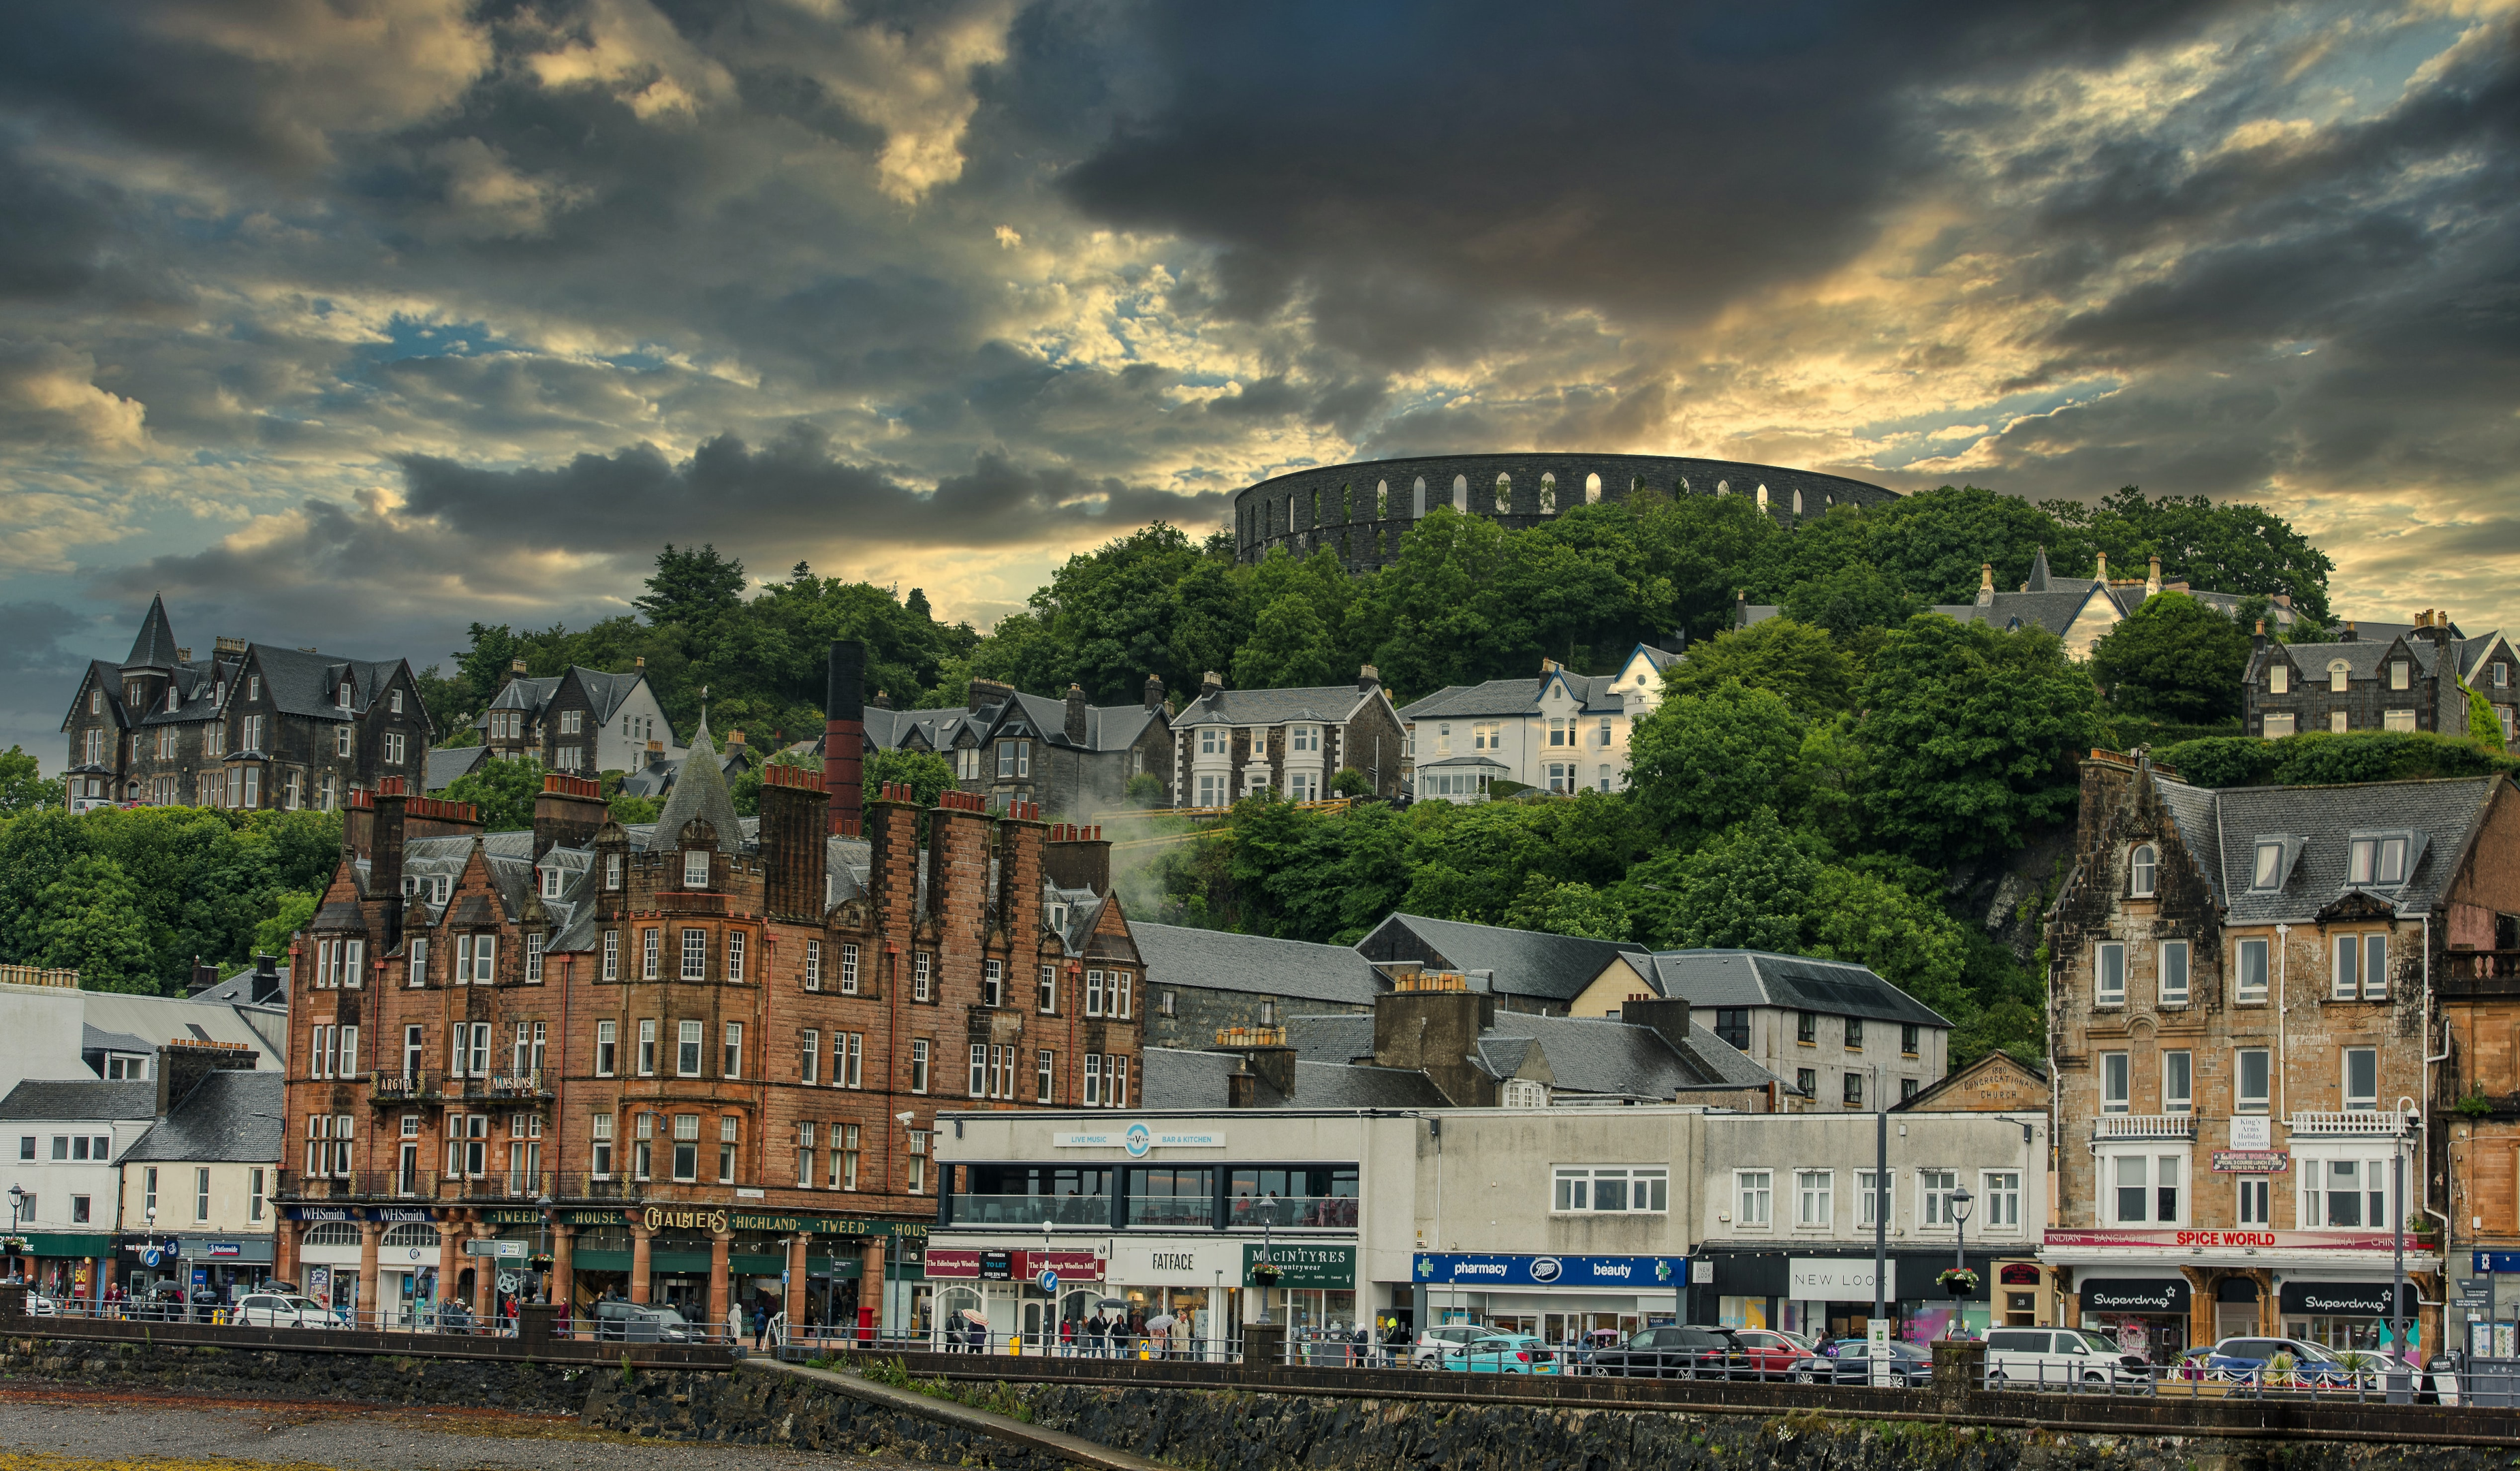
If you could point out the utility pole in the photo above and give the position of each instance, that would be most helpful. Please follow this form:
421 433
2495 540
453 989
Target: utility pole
1881 1217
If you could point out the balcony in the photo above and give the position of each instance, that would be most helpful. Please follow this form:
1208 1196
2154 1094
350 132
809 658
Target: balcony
2479 974
2352 1124
395 1088
1033 1210
2144 1126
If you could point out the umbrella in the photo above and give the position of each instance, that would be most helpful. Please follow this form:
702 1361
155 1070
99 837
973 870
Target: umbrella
976 1315
1159 1323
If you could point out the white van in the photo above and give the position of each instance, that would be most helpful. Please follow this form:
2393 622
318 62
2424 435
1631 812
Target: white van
2059 1358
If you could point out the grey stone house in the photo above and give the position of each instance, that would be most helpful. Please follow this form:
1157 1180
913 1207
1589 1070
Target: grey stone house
1203 981
253 726
2404 681
1071 757
1526 970
584 720
1233 744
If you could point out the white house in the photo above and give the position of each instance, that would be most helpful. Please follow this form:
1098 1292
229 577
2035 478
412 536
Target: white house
1562 733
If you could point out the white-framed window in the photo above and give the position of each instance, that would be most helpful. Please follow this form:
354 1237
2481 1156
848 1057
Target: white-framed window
1934 1189
643 1145
2360 1074
2276 724
813 965
1303 786
2343 1190
2177 1082
849 1059
2361 968
1815 1197
1601 733
551 879
2376 861
1048 999
1516 1092
696 867
732 1049
848 969
1868 1197
2140 869
809 1048
1754 1193
608 1047
1304 740
918 1065
395 747
612 871
477 959
1487 736
735 957
805 1156
2108 974
2251 1078
2249 971
687 1147
650 944
2172 973
1595 1189
2339 674
1560 776
533 959
980 1080
687 1049
648 1048
1998 1196
923 976
2114 1084
611 954
2339 721
695 955
1211 791
1045 1076
1211 740
993 983
2278 677
2399 673
2257 1200
2396 720
914 1162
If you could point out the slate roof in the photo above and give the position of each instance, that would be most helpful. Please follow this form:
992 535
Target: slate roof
95 1039
228 1116
924 730
1731 978
1331 704
700 792
238 989
156 645
2363 657
1175 1078
1216 960
605 694
75 1100
1517 697
1599 1056
1524 962
160 1019
2443 815
2054 610
446 763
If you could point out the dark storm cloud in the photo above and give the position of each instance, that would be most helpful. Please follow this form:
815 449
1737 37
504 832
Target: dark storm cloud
1415 162
789 490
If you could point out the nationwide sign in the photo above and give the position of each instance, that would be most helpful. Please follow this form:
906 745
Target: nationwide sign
2282 1241
1498 1270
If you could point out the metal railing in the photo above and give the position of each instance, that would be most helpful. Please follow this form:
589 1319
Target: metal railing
2144 1126
1032 1210
278 1306
2361 1378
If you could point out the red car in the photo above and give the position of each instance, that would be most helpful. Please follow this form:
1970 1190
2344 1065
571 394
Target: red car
1772 1354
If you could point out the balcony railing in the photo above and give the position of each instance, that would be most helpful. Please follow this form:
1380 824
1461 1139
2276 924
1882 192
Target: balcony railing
2480 972
2146 1126
1033 1210
2358 1124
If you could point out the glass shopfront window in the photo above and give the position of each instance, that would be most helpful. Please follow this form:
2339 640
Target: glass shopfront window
1032 1194
1292 1195
1172 1196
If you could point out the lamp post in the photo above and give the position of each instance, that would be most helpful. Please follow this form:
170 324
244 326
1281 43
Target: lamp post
1960 1202
16 1208
891 1241
1267 1209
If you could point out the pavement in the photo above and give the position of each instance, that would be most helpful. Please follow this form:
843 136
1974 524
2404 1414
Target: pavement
78 1431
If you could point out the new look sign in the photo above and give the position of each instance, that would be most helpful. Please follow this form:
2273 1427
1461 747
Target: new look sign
1500 1269
1829 1279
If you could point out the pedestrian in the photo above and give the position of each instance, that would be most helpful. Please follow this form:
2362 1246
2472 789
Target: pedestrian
735 1325
1068 1338
760 1323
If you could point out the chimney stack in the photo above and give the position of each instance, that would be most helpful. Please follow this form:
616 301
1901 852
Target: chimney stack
517 666
1367 679
1667 1015
1074 725
203 977
1740 607
568 812
2350 636
2152 577
2103 575
1078 857
1210 683
845 736
267 981
1154 691
2258 640
1985 584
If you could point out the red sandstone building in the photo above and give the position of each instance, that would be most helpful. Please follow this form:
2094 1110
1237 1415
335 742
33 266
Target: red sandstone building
687 1061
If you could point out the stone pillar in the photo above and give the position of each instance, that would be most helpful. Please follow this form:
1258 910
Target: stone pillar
283 1250
372 1234
872 1287
96 1267
720 1244
485 1277
2203 1285
797 1245
564 1272
638 1238
2270 1313
450 1256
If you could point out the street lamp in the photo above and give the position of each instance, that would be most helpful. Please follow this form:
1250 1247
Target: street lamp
1962 1199
1267 1209
16 1207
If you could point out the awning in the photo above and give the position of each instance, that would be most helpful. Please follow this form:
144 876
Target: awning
68 1244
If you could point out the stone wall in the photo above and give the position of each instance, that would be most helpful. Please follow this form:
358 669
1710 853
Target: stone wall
263 1373
1202 1429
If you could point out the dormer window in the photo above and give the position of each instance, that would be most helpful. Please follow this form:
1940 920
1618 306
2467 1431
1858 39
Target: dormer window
254 687
2269 867
552 877
175 699
1056 915
2140 870
696 867
439 888
2378 860
2338 671
343 698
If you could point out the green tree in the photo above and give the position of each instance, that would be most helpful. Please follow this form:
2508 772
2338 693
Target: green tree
1700 763
1906 940
1933 543
1290 649
1798 662
296 912
1747 888
2227 548
1850 600
694 587
88 919
22 786
1568 908
927 773
2174 658
504 791
1971 737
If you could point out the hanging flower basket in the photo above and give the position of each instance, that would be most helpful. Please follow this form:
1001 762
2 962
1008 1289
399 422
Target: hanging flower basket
1958 1281
1263 1274
13 1245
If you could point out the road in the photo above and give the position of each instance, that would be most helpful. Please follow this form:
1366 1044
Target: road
78 1431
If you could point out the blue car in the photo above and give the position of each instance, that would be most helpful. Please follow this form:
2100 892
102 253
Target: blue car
1503 1354
1849 1362
2251 1361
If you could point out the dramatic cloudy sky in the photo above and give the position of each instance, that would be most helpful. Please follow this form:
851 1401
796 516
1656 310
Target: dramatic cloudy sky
349 322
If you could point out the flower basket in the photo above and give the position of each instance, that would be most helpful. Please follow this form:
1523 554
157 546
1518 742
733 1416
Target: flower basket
1263 1274
13 1245
1958 1281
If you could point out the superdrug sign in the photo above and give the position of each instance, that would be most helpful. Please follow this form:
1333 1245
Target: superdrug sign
2135 1295
2341 1299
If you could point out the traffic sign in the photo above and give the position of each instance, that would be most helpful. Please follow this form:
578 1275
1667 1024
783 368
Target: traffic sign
1049 1280
495 1248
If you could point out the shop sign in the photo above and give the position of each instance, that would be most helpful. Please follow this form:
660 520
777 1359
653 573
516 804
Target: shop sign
513 1218
1174 1264
2342 1299
2252 1162
666 1218
2134 1295
823 1226
613 1217
953 1261
1073 1265
2018 1273
997 1267
2497 1260
225 1249
1497 1269
1302 1264
394 1214
1139 1139
1829 1279
2283 1241
2254 1132
326 1213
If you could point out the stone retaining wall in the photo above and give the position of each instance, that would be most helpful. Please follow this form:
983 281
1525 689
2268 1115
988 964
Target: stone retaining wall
265 1373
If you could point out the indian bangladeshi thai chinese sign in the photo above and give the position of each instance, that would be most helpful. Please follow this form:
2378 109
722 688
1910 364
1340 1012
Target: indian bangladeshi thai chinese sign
1303 1263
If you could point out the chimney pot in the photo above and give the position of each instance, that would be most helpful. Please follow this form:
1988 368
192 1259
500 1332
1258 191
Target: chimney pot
1210 683
516 666
1368 678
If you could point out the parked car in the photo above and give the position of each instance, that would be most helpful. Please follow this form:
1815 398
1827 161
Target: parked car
275 1309
1773 1352
2252 1360
1502 1353
41 1306
1906 1364
1681 1353
640 1323
2064 1357
1434 1343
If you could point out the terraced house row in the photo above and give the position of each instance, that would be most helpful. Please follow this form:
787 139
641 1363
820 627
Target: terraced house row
683 1059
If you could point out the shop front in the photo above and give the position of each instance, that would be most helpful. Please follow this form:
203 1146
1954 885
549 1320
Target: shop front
1556 1298
1021 1296
1829 1297
2146 1315
2339 1313
65 1264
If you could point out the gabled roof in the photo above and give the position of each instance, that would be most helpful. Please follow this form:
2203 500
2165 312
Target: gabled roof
229 1116
300 683
1331 704
107 678
605 692
699 791
1177 1078
1600 1056
78 1102
2443 814
156 645
1216 960
1739 978
96 1038
1925 1099
2472 655
1524 962
921 729
1517 697
1108 728
446 763
2054 610
2362 658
